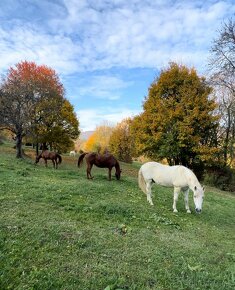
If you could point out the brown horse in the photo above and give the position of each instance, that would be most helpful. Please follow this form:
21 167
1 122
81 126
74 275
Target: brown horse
103 161
53 156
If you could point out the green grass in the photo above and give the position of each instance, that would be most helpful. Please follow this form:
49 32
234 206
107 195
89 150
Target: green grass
59 230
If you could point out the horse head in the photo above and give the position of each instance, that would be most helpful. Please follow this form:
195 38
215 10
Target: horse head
118 174
198 195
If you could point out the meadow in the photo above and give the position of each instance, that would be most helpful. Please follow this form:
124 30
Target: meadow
59 230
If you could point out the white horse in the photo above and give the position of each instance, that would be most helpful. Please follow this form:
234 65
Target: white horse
72 153
179 177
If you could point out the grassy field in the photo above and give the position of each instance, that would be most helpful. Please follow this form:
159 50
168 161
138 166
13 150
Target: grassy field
59 230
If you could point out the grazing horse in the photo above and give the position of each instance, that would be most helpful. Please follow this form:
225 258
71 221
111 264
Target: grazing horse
53 156
72 153
179 177
104 161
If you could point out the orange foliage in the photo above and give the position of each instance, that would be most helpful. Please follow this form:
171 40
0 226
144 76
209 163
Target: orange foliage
36 75
99 140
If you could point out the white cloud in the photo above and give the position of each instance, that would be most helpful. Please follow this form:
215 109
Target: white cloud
94 35
90 118
102 87
29 43
145 34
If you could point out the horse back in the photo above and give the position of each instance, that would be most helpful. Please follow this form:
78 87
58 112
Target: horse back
165 175
102 161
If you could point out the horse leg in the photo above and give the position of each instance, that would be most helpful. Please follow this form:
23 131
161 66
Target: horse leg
176 195
53 161
88 172
56 163
148 191
186 192
110 169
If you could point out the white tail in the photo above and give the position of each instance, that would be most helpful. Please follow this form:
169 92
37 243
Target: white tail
141 181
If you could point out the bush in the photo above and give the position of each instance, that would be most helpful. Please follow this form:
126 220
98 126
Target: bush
222 177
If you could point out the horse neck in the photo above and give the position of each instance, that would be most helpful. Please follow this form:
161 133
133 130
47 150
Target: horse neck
117 166
193 181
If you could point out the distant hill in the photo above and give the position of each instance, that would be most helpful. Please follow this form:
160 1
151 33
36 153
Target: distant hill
85 135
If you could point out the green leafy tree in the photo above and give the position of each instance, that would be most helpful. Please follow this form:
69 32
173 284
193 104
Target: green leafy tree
59 128
121 143
178 122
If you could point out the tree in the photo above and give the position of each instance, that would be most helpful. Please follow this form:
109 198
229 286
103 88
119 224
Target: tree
91 144
99 140
226 134
16 106
31 102
121 142
59 128
222 68
178 122
223 50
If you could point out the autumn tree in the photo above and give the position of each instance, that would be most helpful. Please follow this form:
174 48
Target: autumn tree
91 144
121 142
32 103
99 140
17 102
222 69
178 122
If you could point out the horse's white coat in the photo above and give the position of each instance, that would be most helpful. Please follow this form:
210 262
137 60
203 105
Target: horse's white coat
72 153
179 177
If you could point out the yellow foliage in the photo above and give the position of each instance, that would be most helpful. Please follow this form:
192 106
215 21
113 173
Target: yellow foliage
99 140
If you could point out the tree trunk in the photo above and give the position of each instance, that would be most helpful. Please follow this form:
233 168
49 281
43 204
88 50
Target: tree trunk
37 149
19 145
226 139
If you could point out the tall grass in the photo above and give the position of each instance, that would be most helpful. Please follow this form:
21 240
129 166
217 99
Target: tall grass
59 230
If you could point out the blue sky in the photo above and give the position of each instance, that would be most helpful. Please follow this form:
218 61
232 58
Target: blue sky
107 53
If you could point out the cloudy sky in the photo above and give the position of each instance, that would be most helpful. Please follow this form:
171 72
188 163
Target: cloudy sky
107 52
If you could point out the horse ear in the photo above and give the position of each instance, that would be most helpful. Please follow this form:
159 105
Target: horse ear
195 188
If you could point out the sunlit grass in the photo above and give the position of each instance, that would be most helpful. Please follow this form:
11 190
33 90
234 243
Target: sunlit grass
59 230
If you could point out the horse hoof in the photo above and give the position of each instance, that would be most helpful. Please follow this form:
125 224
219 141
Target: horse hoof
175 210
188 211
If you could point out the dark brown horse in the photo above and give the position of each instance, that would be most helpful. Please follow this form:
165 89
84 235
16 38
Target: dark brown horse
103 161
53 156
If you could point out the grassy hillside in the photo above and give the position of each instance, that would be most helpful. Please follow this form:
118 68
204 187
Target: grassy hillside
59 230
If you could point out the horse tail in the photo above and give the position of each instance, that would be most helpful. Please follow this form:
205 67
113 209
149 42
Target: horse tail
141 181
80 159
59 157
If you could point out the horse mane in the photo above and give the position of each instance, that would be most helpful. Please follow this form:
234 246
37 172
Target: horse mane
80 159
191 177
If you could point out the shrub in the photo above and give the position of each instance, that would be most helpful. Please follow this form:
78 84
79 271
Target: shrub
222 177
